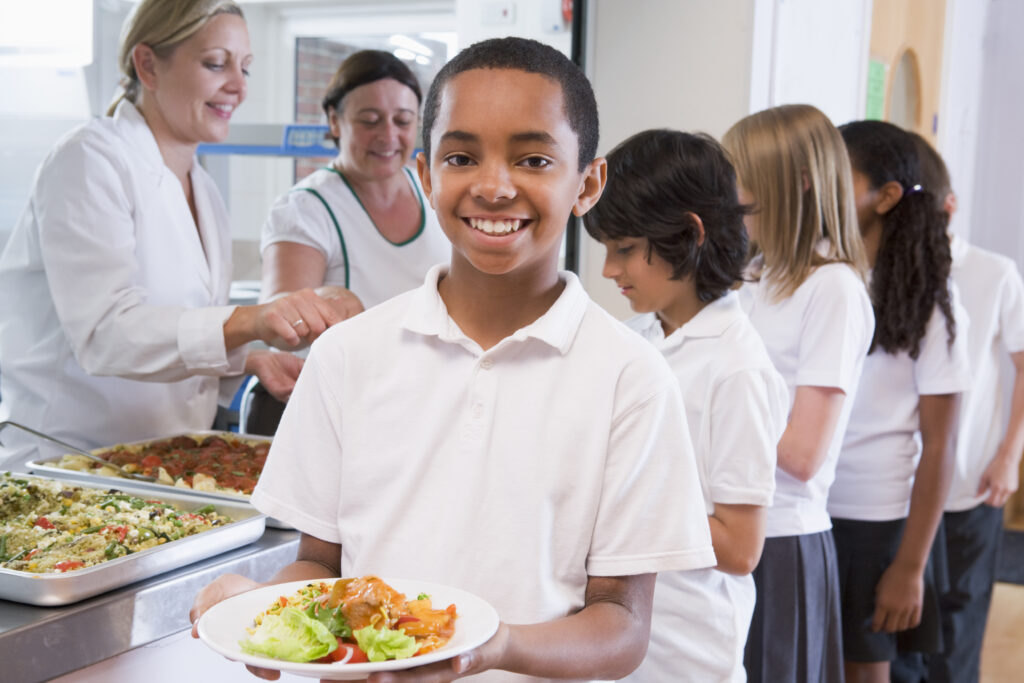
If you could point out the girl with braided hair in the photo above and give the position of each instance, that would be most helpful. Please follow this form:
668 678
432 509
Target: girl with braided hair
895 465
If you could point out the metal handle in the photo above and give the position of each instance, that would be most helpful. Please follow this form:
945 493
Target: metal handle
76 449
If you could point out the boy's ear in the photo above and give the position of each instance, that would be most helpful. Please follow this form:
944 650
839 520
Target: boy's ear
144 61
423 170
591 186
697 224
889 195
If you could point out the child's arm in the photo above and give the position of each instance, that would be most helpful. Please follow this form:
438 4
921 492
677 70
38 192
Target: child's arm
737 534
900 592
605 640
812 424
1000 478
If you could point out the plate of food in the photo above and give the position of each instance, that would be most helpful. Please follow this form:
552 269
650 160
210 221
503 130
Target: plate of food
346 629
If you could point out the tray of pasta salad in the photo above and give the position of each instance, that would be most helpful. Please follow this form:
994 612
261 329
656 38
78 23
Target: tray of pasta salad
61 541
347 628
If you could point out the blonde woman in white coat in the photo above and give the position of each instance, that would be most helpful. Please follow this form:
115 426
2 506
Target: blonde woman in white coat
114 283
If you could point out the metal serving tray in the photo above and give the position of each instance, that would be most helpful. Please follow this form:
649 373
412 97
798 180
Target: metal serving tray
51 469
48 590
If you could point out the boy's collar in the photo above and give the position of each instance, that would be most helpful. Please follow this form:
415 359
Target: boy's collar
711 321
428 315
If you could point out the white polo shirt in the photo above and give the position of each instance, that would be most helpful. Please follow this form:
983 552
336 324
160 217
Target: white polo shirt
322 211
818 336
736 406
992 292
882 447
514 473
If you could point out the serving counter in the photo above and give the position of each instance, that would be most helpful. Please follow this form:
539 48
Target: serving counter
40 643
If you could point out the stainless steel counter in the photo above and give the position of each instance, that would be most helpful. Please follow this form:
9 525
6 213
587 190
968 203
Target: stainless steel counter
39 643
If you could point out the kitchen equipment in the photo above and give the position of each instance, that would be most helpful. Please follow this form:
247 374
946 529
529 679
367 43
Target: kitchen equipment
77 451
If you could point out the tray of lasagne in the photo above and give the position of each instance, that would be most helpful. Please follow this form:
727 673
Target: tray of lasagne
61 541
207 464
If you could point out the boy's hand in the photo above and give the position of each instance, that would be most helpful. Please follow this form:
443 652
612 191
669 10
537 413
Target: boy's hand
222 588
898 599
1000 479
487 656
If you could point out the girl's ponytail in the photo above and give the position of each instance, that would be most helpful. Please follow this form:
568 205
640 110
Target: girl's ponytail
911 274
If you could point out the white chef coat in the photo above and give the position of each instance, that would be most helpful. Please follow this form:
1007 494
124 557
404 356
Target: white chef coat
111 302
514 473
992 292
736 406
322 211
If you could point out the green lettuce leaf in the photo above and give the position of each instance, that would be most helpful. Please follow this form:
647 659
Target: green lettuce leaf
385 643
333 619
292 636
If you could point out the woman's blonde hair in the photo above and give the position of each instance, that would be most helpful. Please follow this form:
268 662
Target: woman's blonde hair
777 153
162 25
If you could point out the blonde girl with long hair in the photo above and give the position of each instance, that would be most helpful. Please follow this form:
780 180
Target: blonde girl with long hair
807 299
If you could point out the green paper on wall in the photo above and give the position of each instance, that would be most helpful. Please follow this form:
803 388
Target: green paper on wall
875 108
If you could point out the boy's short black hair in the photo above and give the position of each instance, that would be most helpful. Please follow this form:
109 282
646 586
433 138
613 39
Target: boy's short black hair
654 179
530 56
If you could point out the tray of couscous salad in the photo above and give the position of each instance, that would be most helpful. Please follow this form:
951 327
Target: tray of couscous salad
61 541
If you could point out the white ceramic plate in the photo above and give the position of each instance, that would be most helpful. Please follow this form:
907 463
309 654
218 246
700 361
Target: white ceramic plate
225 624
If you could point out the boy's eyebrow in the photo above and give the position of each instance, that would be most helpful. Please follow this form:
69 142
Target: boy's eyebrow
535 136
527 136
458 136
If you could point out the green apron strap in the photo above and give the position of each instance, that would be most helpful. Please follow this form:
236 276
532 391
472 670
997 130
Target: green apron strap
337 228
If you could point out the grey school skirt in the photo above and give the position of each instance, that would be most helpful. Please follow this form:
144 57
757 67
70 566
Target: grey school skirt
796 631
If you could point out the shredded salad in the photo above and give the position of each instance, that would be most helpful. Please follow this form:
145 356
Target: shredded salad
349 620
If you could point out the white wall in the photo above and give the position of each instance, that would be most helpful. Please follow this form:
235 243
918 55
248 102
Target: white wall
819 55
702 65
997 208
960 105
538 19
662 63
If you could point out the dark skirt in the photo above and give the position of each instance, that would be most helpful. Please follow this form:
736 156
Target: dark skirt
865 551
795 630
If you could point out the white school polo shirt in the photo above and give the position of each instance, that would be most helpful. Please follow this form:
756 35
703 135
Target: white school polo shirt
514 473
818 336
736 406
323 212
992 292
882 447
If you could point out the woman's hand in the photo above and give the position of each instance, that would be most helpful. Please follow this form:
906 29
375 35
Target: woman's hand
485 657
289 322
899 598
343 300
295 319
277 372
